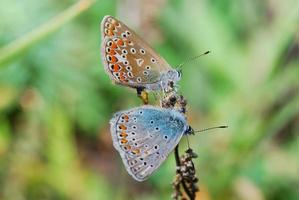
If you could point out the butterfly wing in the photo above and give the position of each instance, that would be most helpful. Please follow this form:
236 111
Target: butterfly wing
144 136
128 59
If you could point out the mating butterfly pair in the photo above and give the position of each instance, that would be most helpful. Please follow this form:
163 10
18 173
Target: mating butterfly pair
144 136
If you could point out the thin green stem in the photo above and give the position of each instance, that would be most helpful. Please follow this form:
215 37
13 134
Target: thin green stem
20 45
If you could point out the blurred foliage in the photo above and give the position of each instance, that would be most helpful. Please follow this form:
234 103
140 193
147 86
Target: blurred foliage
56 100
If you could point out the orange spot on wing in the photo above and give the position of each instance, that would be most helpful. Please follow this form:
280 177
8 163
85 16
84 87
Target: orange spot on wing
123 140
122 127
112 52
136 151
123 134
120 42
110 32
126 118
114 45
122 78
116 68
112 27
113 59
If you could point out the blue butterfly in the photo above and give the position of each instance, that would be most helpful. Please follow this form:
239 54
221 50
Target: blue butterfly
144 136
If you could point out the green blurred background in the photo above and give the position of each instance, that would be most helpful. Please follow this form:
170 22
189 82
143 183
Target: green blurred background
56 100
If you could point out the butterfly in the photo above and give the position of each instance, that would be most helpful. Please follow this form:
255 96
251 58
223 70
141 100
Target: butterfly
144 136
131 62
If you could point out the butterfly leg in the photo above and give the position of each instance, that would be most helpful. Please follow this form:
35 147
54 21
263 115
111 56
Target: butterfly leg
163 91
143 95
155 96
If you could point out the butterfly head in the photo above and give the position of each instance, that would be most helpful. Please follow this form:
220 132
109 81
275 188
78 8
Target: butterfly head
169 79
189 131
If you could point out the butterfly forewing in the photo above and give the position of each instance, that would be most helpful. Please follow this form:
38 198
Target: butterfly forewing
144 137
128 59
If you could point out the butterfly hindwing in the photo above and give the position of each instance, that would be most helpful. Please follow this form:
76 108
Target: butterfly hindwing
144 136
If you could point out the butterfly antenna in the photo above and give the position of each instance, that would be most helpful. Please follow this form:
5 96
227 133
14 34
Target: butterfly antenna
191 59
211 128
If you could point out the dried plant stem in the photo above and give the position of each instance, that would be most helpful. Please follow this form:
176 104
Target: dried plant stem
183 183
185 171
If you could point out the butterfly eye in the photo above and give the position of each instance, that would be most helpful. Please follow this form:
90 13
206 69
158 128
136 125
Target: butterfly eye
189 130
145 72
152 121
126 62
153 60
134 127
171 84
165 137
179 73
148 67
142 51
157 128
124 51
124 35
129 68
